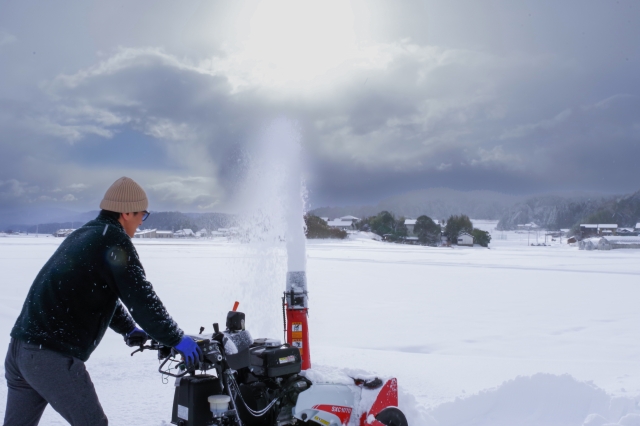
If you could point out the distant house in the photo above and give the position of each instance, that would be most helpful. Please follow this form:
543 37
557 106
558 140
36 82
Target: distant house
340 224
146 233
351 219
638 227
164 234
465 239
203 233
63 232
626 231
590 229
344 222
410 223
607 228
184 233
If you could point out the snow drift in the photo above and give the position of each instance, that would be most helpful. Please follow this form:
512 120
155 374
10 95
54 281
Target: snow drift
539 400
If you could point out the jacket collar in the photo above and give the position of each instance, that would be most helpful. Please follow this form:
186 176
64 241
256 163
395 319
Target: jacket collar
109 220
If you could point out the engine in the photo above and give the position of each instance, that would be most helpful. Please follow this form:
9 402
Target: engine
261 375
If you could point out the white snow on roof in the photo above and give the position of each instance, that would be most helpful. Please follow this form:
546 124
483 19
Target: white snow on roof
145 231
410 221
588 225
637 225
349 218
607 226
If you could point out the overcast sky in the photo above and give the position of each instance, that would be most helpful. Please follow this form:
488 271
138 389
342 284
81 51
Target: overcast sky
517 97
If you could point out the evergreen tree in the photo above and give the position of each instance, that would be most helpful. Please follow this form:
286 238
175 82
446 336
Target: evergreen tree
427 231
481 237
385 223
318 228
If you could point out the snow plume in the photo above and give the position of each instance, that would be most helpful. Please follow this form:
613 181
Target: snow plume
270 198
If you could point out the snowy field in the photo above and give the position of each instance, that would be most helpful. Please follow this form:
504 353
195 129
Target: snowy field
513 335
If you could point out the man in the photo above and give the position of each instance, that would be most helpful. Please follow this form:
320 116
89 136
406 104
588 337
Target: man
78 293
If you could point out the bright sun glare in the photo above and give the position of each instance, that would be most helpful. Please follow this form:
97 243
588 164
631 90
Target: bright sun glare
293 41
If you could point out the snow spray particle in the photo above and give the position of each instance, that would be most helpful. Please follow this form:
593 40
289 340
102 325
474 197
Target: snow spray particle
271 202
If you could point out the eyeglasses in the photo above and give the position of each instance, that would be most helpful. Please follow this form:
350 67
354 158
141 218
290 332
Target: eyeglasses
146 215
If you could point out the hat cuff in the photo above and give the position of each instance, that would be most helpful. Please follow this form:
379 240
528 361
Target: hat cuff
124 206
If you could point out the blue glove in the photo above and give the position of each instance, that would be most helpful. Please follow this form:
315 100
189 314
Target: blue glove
136 337
190 351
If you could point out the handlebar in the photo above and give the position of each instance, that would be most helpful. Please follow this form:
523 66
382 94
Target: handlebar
212 357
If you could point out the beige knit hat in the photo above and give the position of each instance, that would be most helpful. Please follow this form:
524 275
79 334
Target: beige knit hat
125 196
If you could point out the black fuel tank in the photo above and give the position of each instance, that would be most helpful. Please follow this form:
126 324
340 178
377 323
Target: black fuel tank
190 404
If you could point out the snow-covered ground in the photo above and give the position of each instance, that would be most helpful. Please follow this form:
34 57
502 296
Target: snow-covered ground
511 335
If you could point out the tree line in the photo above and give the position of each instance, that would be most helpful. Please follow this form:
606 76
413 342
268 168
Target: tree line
392 228
425 229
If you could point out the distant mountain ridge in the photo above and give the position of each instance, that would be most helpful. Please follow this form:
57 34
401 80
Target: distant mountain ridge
551 212
195 221
169 221
554 212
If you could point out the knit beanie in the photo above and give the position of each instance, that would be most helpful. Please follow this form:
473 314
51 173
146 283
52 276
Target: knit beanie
125 196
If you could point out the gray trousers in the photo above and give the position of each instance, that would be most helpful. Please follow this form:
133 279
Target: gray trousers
37 377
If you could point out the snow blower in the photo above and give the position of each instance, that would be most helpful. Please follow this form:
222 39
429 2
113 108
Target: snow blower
262 382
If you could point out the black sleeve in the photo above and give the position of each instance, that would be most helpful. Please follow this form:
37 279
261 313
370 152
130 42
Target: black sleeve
121 322
138 295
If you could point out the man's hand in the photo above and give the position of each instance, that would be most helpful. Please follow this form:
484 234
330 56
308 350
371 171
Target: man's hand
136 337
190 351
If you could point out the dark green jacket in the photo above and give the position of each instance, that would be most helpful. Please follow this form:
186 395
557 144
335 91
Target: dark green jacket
79 292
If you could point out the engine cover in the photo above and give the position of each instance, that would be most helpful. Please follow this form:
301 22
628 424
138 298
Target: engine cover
275 361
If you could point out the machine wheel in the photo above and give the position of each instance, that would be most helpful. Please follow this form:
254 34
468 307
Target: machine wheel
391 416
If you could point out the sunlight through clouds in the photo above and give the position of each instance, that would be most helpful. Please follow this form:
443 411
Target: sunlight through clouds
294 41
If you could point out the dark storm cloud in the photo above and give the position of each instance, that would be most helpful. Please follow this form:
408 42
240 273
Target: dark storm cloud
516 98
